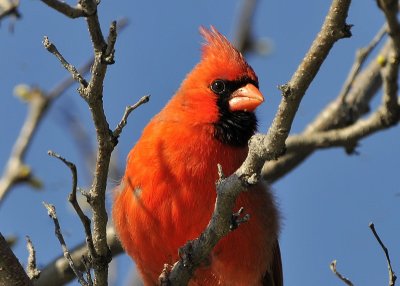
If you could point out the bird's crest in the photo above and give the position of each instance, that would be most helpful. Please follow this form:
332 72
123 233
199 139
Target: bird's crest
221 53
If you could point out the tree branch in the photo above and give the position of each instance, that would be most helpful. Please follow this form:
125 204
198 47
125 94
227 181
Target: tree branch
336 115
340 276
11 271
16 171
52 49
392 276
93 94
51 210
128 110
72 199
58 271
64 8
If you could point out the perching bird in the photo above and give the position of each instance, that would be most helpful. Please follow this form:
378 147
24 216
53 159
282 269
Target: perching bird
167 194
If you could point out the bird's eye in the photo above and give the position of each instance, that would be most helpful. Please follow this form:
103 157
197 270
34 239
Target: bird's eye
218 86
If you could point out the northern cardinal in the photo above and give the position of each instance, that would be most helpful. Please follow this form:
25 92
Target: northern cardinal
167 194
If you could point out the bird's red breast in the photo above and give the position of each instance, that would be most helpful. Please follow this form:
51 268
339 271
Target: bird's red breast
168 191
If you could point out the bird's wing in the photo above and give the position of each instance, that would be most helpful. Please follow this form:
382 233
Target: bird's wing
274 276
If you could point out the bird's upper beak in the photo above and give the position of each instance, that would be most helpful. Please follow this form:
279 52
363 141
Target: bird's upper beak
246 98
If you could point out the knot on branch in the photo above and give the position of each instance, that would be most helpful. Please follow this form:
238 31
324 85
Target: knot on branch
89 7
351 148
286 90
346 31
100 262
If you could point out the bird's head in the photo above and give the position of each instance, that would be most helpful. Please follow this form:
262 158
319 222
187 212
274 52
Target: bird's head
222 90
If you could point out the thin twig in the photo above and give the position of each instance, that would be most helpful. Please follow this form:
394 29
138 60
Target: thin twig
58 272
361 56
31 268
87 270
392 276
72 199
144 99
112 38
340 276
51 211
75 74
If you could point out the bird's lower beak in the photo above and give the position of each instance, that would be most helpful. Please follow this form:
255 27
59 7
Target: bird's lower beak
246 98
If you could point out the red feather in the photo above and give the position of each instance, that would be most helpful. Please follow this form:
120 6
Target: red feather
168 192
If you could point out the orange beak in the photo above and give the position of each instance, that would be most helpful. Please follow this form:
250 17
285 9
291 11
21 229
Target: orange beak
246 98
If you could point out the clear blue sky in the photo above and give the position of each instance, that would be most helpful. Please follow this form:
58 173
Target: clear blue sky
326 203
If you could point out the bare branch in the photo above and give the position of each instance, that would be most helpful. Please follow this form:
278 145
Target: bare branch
31 268
72 199
11 271
128 110
112 38
361 56
346 137
340 276
58 271
335 115
264 147
52 49
64 8
16 171
390 8
392 276
51 211
93 94
90 7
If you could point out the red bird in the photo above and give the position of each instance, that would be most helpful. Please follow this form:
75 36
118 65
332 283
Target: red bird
167 194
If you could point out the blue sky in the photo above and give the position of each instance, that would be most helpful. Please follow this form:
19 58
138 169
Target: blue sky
326 203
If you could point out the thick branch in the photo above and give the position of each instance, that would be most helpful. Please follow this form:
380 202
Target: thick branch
11 271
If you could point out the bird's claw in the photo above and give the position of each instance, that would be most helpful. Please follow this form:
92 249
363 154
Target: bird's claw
237 219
